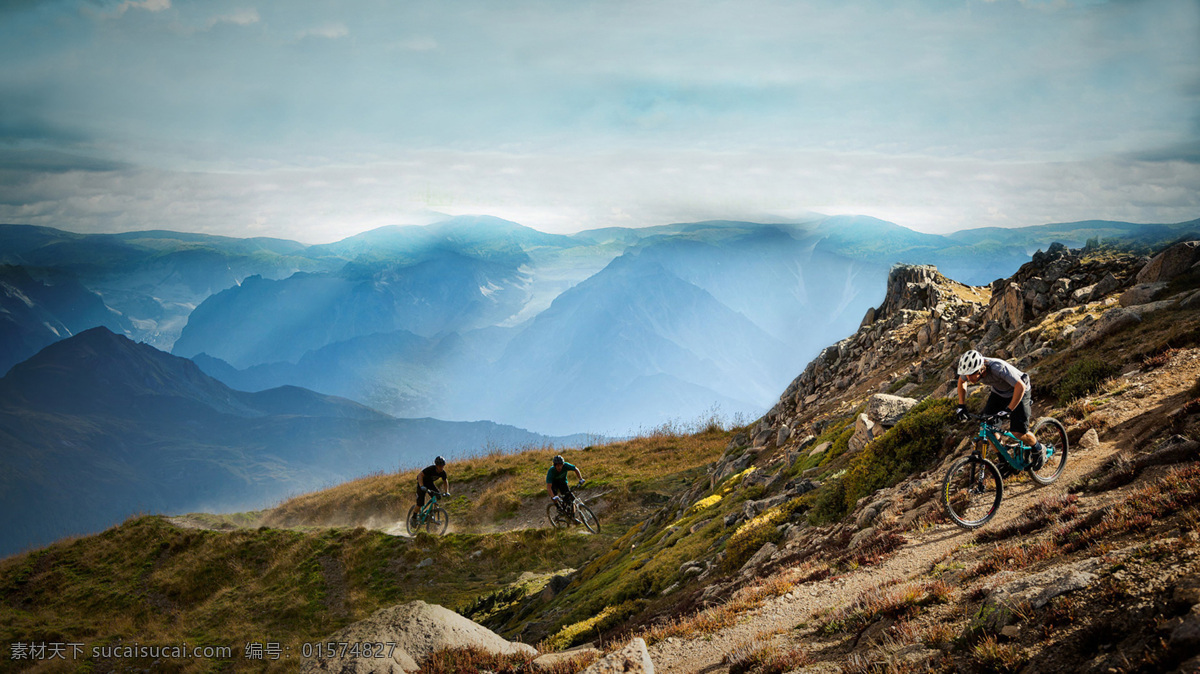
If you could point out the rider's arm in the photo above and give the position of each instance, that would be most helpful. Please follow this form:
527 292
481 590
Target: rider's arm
578 474
446 484
1018 394
550 490
962 392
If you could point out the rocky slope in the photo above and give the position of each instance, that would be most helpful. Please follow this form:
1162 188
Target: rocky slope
818 538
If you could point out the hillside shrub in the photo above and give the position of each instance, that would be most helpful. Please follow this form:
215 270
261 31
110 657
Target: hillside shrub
751 536
1082 378
589 629
828 502
911 445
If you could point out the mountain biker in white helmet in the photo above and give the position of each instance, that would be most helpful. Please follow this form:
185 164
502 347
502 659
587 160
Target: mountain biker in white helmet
1009 399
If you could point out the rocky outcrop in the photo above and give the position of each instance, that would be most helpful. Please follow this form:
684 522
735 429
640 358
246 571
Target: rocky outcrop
1003 603
633 659
418 629
1170 263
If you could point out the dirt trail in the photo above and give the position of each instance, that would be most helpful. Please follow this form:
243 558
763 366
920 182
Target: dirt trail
1139 398
916 558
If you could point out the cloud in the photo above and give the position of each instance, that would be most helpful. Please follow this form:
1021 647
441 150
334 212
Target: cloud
241 17
331 31
148 5
570 192
416 44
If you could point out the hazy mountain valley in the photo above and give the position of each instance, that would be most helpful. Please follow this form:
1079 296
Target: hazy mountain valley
813 538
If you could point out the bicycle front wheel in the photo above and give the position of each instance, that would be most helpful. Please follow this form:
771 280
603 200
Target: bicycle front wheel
588 518
556 517
1054 437
438 521
411 523
972 491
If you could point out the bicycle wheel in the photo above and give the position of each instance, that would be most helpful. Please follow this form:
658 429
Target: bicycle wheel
1051 434
438 521
411 523
972 491
557 520
588 518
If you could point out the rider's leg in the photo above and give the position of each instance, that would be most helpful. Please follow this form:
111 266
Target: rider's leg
1019 424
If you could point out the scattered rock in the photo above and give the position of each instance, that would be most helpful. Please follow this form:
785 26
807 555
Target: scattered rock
633 659
1142 293
820 449
864 432
764 553
1109 322
1000 606
1090 440
886 410
428 561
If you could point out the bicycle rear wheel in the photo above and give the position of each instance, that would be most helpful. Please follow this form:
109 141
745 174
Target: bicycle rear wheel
588 518
972 491
411 523
438 521
1054 437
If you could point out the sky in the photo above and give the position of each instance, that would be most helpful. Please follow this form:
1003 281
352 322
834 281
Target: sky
318 120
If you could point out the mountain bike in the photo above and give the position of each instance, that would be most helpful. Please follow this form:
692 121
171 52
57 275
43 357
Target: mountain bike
571 510
433 517
974 486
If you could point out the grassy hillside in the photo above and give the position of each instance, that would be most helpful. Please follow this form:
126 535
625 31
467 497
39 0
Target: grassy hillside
311 566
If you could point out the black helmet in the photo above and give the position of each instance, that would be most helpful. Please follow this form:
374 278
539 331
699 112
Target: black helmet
439 462
558 459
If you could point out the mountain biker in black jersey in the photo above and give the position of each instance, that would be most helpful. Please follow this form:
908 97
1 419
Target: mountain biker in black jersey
427 479
556 482
1010 397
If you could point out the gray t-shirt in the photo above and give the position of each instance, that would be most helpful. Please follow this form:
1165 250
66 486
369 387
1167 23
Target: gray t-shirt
1002 377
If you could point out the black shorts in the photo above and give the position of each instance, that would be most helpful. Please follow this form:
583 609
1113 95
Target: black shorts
560 487
1018 420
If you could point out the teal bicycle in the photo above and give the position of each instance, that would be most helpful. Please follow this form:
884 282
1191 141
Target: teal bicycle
433 518
974 486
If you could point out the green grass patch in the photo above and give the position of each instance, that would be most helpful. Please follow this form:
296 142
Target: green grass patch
1082 378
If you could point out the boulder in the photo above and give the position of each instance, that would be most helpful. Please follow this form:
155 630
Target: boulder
633 659
764 553
1105 286
886 409
1142 293
1000 607
1170 263
820 449
861 536
764 437
864 432
1090 440
1109 322
782 437
418 629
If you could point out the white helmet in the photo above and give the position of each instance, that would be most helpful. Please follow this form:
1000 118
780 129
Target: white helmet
970 363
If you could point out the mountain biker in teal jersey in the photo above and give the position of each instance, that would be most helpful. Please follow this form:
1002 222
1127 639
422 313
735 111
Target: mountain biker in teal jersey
427 481
556 481
1010 397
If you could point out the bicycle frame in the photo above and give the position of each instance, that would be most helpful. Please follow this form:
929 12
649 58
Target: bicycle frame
423 514
987 433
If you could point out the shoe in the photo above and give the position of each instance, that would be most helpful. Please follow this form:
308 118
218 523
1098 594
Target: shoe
1039 457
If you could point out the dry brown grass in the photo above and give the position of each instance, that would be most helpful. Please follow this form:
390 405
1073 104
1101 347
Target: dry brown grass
499 483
